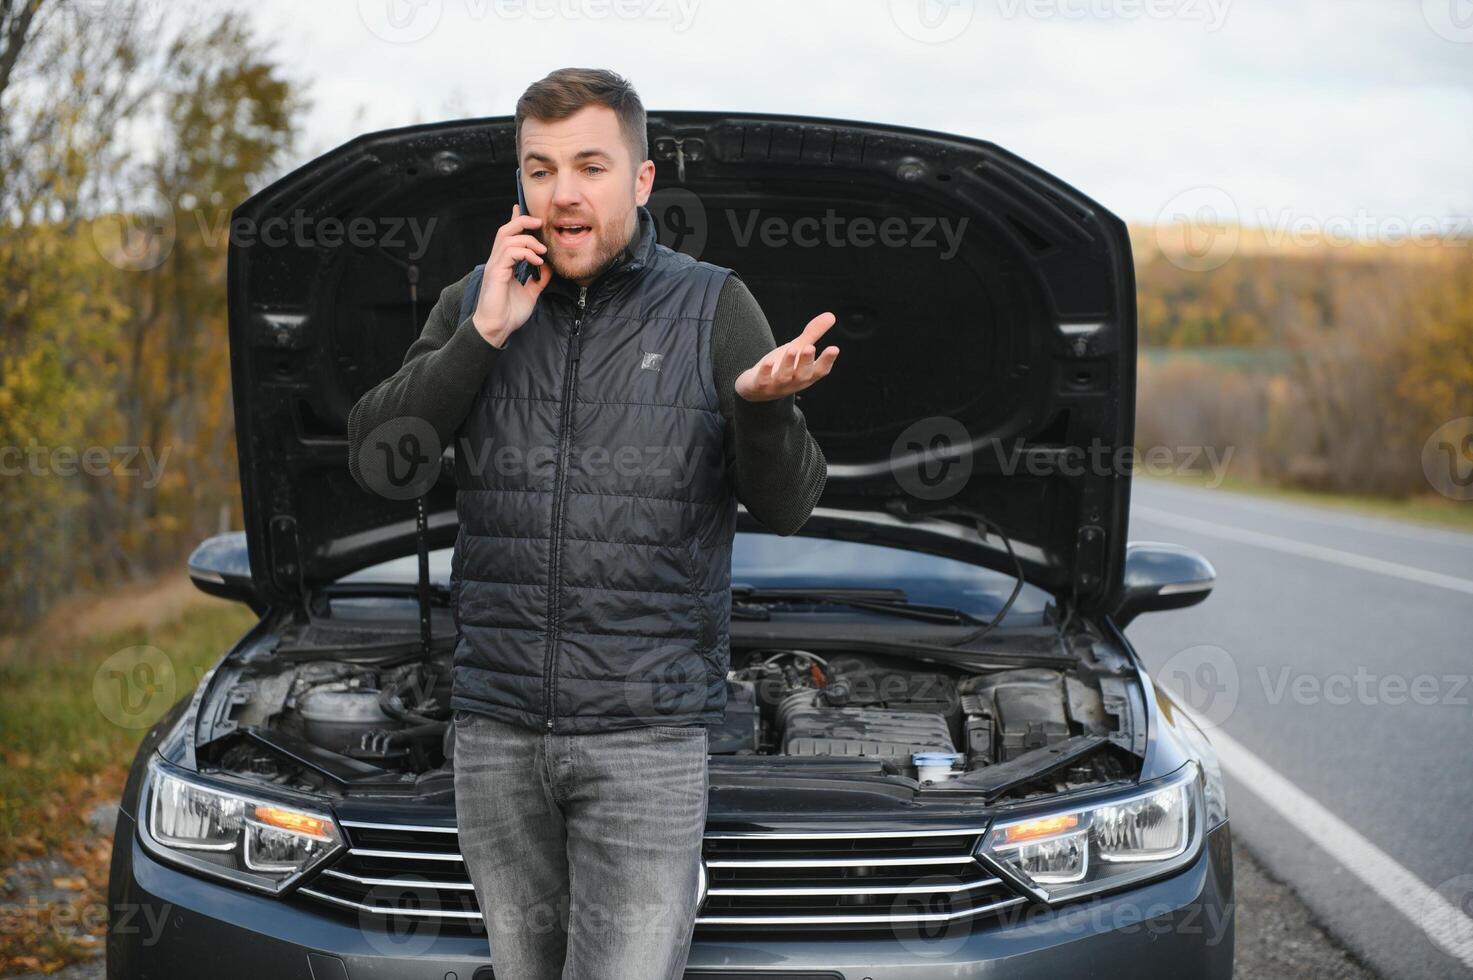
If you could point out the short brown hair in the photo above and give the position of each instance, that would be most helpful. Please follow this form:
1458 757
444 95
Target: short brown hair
565 91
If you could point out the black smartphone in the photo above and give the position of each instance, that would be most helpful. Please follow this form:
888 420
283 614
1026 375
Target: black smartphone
523 268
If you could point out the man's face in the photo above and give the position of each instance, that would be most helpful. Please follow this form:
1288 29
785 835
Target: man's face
580 178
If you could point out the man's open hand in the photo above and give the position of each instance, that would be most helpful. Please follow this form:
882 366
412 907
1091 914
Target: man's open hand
790 367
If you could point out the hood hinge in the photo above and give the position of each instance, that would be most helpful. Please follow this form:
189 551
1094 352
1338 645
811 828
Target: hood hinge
286 560
1089 559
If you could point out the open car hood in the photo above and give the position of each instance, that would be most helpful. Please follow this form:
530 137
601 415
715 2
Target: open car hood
986 317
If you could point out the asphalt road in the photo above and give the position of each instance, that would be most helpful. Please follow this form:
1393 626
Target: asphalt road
1335 652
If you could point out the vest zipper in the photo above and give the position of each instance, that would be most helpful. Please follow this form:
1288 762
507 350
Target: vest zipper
554 604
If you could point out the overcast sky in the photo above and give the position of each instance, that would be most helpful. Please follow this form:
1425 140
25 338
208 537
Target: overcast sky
1321 110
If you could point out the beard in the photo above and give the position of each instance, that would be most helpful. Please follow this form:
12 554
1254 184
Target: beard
591 260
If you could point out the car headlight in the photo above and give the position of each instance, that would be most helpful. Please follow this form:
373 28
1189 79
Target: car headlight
1067 854
251 840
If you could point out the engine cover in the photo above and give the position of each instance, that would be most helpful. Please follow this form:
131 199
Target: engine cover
809 726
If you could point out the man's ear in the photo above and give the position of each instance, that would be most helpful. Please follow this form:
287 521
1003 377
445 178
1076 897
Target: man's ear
644 182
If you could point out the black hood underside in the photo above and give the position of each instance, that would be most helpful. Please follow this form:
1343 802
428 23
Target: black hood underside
986 318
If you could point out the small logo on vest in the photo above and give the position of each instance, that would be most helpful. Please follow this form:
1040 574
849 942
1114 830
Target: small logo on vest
650 361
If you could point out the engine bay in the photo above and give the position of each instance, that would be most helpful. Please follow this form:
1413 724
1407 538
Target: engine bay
354 717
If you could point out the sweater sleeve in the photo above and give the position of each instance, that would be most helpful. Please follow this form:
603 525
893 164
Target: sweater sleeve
777 468
442 371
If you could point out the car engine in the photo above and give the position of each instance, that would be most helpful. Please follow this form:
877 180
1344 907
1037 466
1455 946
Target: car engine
313 721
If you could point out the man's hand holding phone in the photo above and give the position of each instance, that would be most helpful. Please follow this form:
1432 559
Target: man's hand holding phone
505 304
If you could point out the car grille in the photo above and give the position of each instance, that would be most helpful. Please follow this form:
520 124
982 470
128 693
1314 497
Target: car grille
815 880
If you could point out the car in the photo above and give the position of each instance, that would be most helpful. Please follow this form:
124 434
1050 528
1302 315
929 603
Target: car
940 754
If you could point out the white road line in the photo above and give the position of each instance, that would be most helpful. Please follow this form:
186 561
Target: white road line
1440 920
1290 511
1304 549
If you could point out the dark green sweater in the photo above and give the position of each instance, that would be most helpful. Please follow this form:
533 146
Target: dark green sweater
777 469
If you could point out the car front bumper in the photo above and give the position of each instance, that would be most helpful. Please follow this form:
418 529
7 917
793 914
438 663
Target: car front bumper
167 923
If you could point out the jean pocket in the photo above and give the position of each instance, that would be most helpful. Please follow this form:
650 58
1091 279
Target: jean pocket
461 716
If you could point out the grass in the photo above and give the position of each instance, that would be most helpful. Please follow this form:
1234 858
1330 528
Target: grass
72 713
1431 509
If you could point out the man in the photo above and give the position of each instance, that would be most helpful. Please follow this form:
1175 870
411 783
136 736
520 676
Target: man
606 417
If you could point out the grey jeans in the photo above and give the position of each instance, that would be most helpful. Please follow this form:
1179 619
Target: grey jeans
584 850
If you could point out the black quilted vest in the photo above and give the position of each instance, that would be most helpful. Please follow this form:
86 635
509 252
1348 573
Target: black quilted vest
591 577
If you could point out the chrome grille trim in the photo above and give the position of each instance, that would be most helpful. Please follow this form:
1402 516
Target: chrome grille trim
824 920
855 862
404 855
859 879
399 882
862 890
411 827
843 834
380 910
